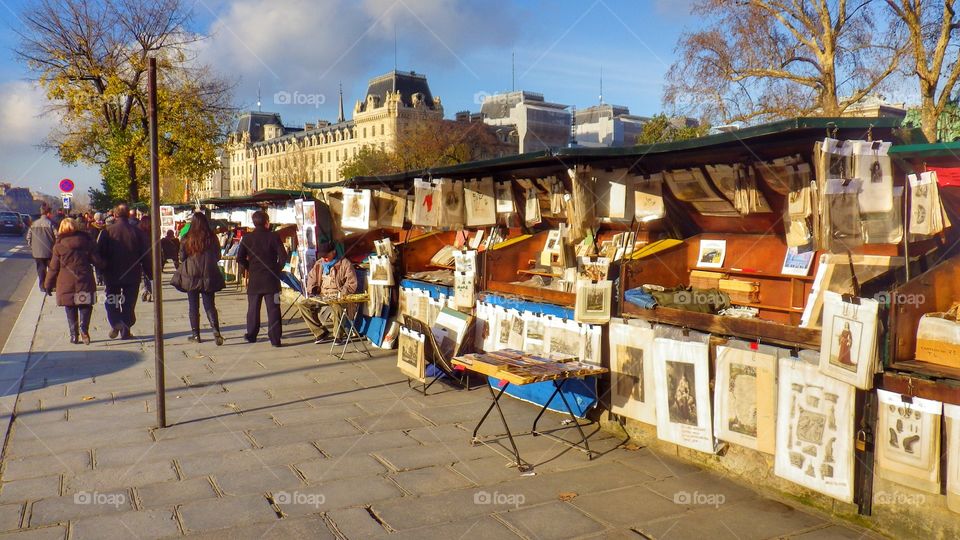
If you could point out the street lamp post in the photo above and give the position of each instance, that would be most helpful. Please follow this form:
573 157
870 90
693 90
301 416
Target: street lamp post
155 242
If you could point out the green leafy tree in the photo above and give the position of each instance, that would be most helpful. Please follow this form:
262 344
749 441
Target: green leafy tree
661 128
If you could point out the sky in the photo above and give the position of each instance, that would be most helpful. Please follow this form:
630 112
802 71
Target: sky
298 52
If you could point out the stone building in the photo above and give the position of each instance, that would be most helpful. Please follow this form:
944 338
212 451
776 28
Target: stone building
606 125
263 153
535 124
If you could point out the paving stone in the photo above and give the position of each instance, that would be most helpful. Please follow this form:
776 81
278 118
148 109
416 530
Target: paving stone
318 471
145 524
403 459
261 480
228 424
30 444
339 494
705 484
172 493
762 518
306 527
10 515
488 470
72 462
30 489
317 414
305 432
121 477
356 523
481 527
835 532
58 532
393 420
430 480
627 506
80 505
463 504
363 444
551 520
210 514
655 464
447 433
164 450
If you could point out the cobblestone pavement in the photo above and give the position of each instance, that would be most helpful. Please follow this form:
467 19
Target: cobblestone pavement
292 442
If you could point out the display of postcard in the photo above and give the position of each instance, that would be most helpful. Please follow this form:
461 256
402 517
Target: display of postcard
848 349
815 429
631 370
381 270
648 197
872 165
591 343
595 270
952 415
504 195
796 263
480 203
426 211
384 248
391 208
356 208
451 215
908 441
411 354
464 290
682 393
593 301
712 253
690 185
465 261
745 395
534 332
926 209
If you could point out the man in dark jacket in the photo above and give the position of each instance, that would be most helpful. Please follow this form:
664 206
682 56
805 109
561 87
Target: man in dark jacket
41 238
262 255
123 249
170 248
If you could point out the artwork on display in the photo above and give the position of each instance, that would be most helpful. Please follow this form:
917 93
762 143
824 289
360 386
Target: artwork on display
927 215
391 208
593 302
464 292
531 209
682 392
815 429
306 220
381 270
690 185
591 337
504 196
516 329
648 197
796 263
872 165
716 208
553 249
480 203
356 208
451 216
426 210
465 261
952 415
848 347
504 322
908 441
411 354
786 174
595 270
562 337
534 332
167 220
745 395
840 219
631 370
712 253
449 330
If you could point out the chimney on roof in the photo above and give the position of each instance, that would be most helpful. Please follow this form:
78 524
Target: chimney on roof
308 125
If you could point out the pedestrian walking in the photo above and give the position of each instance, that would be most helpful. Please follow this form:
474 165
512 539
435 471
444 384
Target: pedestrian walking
262 255
144 227
71 276
170 249
40 239
124 253
199 276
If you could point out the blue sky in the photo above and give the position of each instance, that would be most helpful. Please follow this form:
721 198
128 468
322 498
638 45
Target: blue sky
464 48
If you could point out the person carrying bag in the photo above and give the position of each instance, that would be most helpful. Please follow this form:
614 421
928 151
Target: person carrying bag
199 275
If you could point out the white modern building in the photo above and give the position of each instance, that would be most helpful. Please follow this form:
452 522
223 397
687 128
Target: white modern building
536 124
607 125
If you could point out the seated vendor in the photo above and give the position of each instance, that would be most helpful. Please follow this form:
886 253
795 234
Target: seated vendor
331 276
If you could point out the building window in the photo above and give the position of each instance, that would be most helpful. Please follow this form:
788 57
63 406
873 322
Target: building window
381 129
364 133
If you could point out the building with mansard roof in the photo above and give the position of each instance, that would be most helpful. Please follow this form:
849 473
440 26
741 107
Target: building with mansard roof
261 152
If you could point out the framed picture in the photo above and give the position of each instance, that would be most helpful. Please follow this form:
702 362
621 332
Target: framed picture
356 209
712 253
908 441
796 263
745 395
593 301
848 349
411 355
815 429
682 387
631 370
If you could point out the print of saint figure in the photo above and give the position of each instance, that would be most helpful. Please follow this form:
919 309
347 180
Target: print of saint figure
845 340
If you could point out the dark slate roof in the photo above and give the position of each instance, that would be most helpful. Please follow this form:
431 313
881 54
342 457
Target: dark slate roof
300 133
253 122
407 82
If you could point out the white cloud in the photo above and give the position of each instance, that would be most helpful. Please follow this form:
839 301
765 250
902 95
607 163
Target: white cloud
22 121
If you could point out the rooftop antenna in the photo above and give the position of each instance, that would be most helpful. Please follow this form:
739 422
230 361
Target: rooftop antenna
601 84
340 118
394 46
258 96
513 71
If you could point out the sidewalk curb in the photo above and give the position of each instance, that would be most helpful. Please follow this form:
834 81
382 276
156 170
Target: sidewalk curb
14 358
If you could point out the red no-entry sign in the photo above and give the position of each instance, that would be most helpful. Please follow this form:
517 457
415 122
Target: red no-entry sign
66 185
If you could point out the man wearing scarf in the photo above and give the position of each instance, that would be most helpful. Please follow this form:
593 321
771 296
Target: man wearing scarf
330 277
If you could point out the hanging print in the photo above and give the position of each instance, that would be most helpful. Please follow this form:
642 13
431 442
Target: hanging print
631 370
480 203
682 386
426 209
908 441
848 347
745 395
356 208
410 354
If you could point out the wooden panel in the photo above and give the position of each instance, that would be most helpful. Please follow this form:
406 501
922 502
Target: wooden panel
533 294
933 291
923 384
750 329
417 252
503 264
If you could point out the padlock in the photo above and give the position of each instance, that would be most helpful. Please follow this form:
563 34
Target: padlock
861 442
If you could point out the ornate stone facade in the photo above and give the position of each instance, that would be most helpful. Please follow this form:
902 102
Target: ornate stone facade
262 153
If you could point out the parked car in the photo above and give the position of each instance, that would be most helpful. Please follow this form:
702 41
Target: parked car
27 220
11 223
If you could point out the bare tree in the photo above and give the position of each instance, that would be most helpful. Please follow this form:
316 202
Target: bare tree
767 59
932 27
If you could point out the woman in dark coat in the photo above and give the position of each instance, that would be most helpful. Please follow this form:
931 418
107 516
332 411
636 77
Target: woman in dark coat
199 275
71 274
